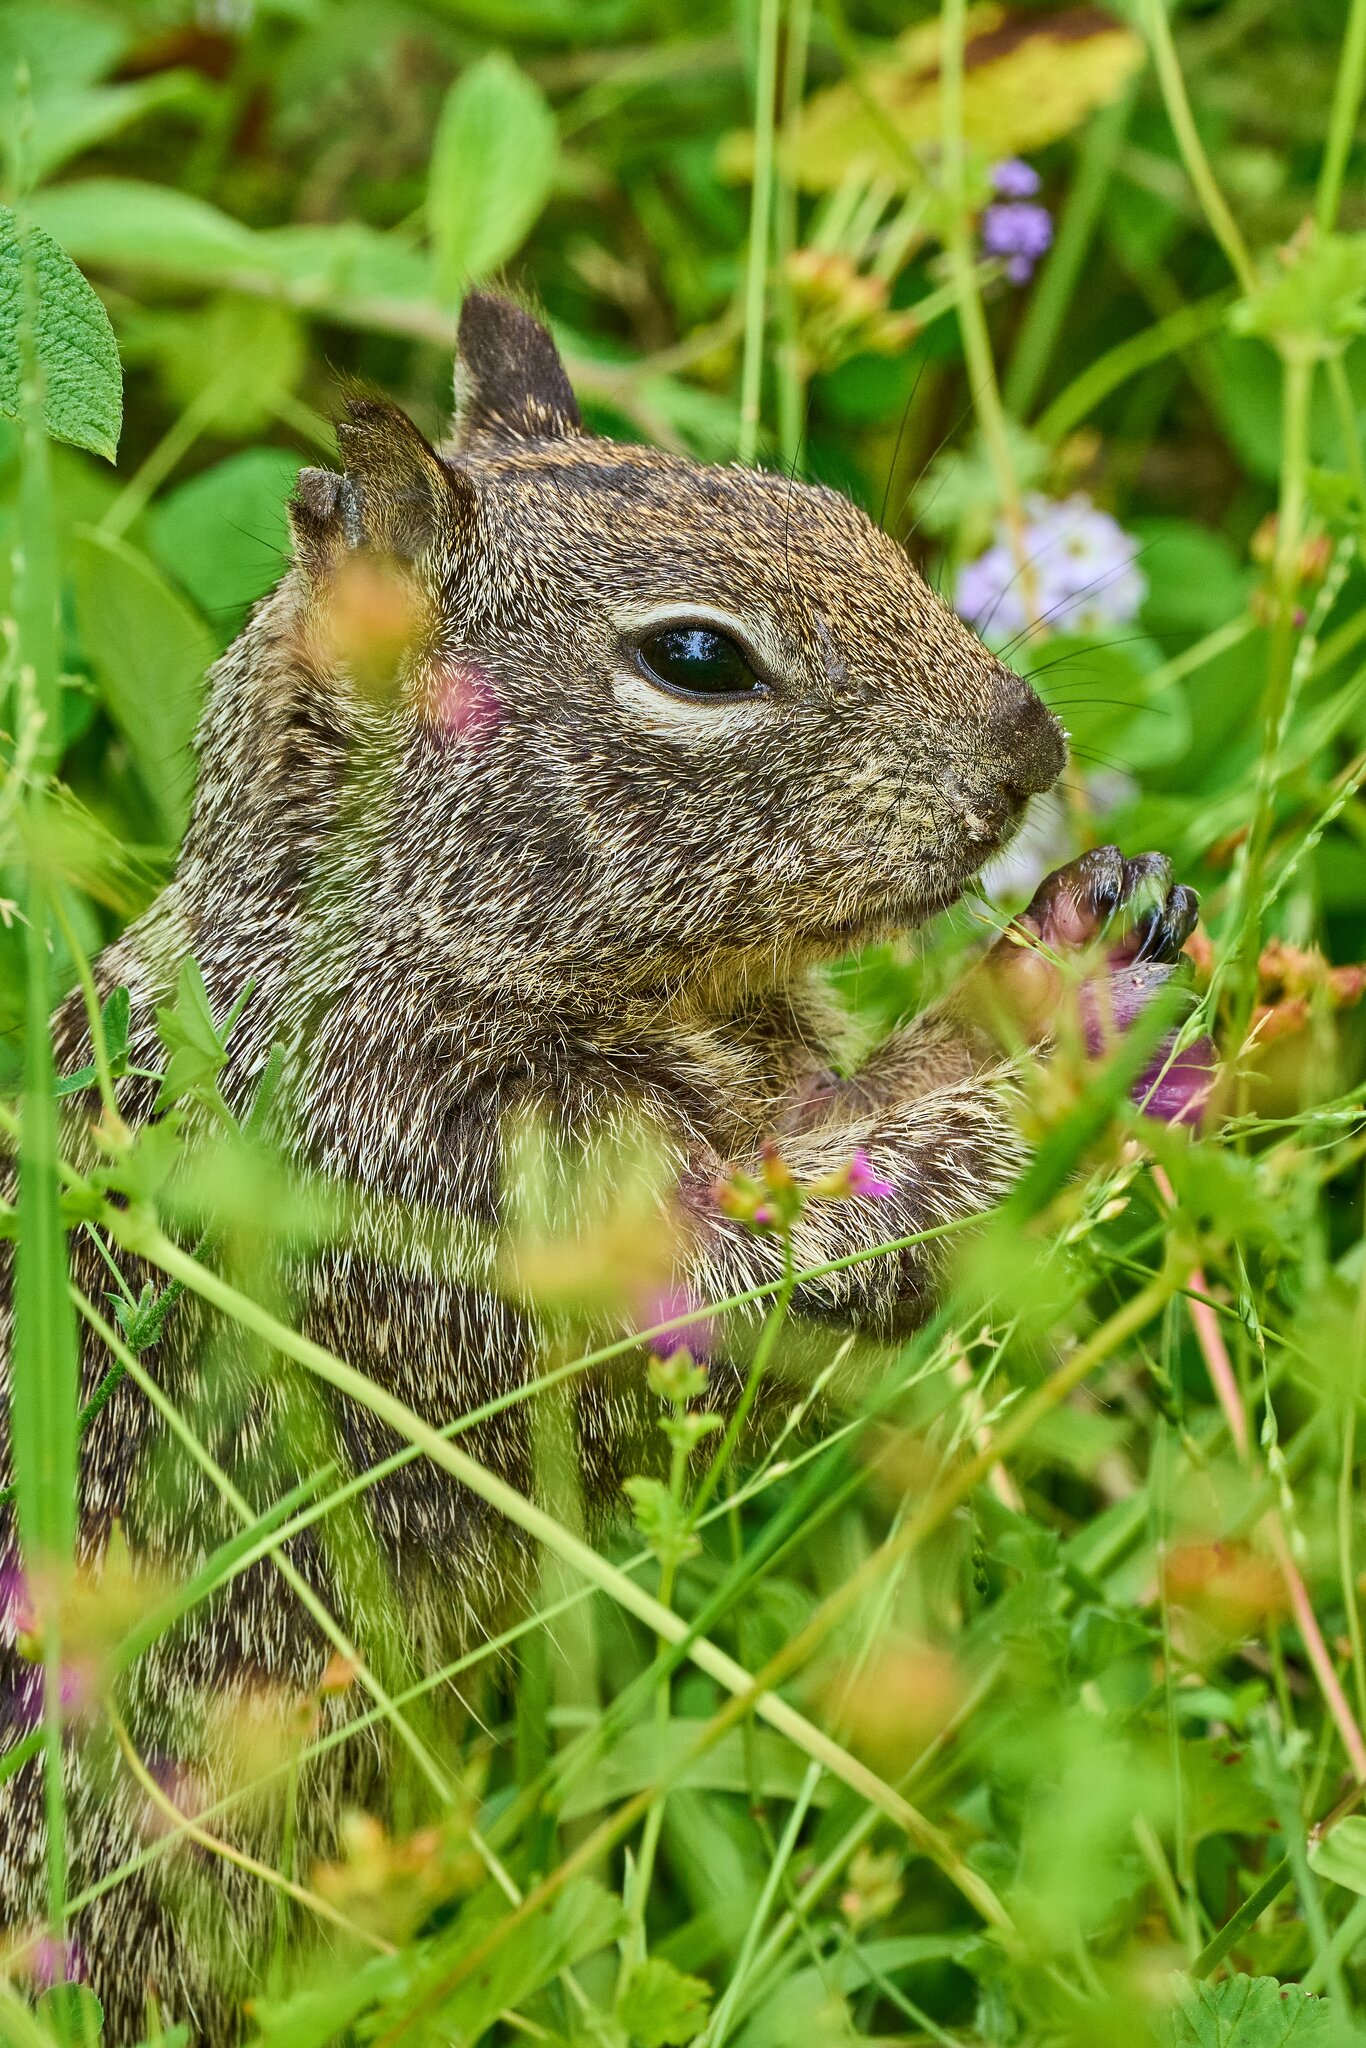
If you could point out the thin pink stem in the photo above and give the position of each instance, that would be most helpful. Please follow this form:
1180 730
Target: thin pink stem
1307 1623
1225 1383
1213 1349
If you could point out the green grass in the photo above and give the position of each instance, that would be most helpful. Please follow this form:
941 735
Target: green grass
1009 1685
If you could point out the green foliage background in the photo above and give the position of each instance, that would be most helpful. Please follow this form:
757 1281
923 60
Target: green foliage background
275 202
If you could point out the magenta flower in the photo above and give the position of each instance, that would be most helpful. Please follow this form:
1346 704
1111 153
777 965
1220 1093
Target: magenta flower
56 1962
863 1181
462 701
1175 1094
663 1307
855 1179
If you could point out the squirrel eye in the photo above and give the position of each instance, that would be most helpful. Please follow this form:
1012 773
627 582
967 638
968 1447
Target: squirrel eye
699 660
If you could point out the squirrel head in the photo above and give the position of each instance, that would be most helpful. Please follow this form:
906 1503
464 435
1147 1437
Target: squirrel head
647 714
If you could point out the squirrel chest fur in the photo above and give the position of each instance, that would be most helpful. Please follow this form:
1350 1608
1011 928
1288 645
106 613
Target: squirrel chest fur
656 740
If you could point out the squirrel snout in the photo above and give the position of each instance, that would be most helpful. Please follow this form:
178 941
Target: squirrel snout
1021 754
1027 741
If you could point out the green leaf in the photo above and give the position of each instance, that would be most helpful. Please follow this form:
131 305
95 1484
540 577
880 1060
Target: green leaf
662 2008
1341 1856
74 2014
1311 298
116 1015
65 52
114 221
198 1048
126 223
77 352
579 1921
150 652
1248 2012
224 535
45 1374
493 161
235 359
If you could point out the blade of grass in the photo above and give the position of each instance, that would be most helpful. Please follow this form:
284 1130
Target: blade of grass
760 232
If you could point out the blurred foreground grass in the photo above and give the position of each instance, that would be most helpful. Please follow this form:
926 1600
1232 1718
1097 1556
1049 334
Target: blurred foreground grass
1013 1692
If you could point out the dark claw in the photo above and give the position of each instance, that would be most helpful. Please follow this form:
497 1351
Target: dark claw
1147 882
1169 928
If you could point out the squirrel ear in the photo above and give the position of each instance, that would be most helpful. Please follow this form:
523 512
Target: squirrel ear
509 381
396 496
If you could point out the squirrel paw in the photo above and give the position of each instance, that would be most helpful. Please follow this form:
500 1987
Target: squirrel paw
1127 912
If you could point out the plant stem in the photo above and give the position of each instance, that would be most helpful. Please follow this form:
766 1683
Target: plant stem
1176 331
140 1235
760 231
1297 388
791 380
1223 226
1058 279
1347 89
972 324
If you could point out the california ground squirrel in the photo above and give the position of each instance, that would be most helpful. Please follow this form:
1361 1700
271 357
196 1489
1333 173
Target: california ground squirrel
667 737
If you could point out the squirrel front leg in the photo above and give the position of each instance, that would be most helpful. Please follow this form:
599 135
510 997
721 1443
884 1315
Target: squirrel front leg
931 1109
1120 921
949 1153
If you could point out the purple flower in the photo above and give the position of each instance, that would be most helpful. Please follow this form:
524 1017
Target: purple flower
1013 178
1173 1090
1082 565
1177 1091
1019 231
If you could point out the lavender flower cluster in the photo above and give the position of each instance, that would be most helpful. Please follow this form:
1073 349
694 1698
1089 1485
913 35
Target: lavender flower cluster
1014 226
1082 566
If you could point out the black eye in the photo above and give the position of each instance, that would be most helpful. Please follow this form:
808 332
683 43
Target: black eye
699 660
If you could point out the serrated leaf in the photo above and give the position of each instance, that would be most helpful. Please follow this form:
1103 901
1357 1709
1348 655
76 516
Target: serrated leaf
493 161
1341 1856
197 1048
1311 298
76 349
1248 2012
74 2013
115 1014
661 2007
150 651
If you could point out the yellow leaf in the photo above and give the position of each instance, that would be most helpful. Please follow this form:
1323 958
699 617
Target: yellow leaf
1028 80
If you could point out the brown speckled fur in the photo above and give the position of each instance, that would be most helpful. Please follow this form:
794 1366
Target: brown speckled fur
588 899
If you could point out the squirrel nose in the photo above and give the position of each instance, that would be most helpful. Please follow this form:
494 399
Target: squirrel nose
1027 740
